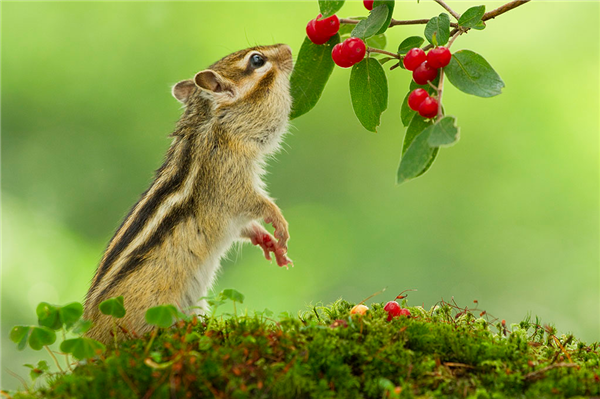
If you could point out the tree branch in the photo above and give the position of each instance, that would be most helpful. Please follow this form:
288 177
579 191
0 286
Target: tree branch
376 50
447 8
488 15
502 9
395 22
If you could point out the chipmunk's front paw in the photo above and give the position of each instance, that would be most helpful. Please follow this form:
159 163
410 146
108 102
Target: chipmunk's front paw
268 244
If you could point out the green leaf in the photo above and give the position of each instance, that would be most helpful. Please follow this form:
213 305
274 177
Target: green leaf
70 314
406 113
479 26
40 337
410 43
373 24
113 307
346 29
390 6
311 72
82 326
377 41
369 92
471 17
330 7
416 126
37 371
444 132
19 335
417 155
232 294
162 316
471 73
48 316
440 26
82 348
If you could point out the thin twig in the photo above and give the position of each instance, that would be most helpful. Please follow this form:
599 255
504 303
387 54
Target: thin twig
395 22
18 377
538 373
376 50
502 9
55 359
447 8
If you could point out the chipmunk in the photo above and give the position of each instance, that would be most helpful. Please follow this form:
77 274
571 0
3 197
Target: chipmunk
207 194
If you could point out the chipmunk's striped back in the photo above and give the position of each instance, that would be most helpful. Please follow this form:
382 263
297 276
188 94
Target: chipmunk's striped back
206 194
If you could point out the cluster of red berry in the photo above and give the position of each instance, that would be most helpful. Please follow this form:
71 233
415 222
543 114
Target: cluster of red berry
345 54
425 69
394 310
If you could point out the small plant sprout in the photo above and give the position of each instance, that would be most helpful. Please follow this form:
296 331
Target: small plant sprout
115 308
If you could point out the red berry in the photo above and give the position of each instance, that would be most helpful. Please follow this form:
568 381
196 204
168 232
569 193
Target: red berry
315 36
393 309
428 108
404 312
414 58
424 73
339 57
354 49
368 4
416 97
328 26
438 57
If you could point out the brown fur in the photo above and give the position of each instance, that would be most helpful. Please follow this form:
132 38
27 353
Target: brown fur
207 193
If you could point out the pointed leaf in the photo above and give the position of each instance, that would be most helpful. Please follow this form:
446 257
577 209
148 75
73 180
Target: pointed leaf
330 7
406 113
417 155
471 17
161 316
440 26
369 92
471 73
390 6
311 72
40 337
410 43
113 307
69 314
373 24
233 295
444 133
346 29
48 315
19 335
82 348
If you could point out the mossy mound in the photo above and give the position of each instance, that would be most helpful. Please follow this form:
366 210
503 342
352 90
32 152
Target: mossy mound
328 353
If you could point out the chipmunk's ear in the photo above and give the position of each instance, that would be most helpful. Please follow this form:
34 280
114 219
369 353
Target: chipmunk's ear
211 81
183 90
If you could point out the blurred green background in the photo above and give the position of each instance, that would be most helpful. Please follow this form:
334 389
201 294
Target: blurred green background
508 217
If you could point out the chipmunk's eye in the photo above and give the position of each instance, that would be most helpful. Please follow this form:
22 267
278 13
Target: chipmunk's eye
256 61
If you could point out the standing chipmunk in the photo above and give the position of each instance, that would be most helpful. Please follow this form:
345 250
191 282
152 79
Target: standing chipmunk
207 194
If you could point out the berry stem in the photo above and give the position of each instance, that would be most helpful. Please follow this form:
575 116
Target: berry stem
376 50
447 8
440 85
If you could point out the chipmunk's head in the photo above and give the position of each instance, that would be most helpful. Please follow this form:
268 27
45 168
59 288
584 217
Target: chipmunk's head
247 90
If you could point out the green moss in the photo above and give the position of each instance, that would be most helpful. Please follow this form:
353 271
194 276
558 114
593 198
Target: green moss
327 353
